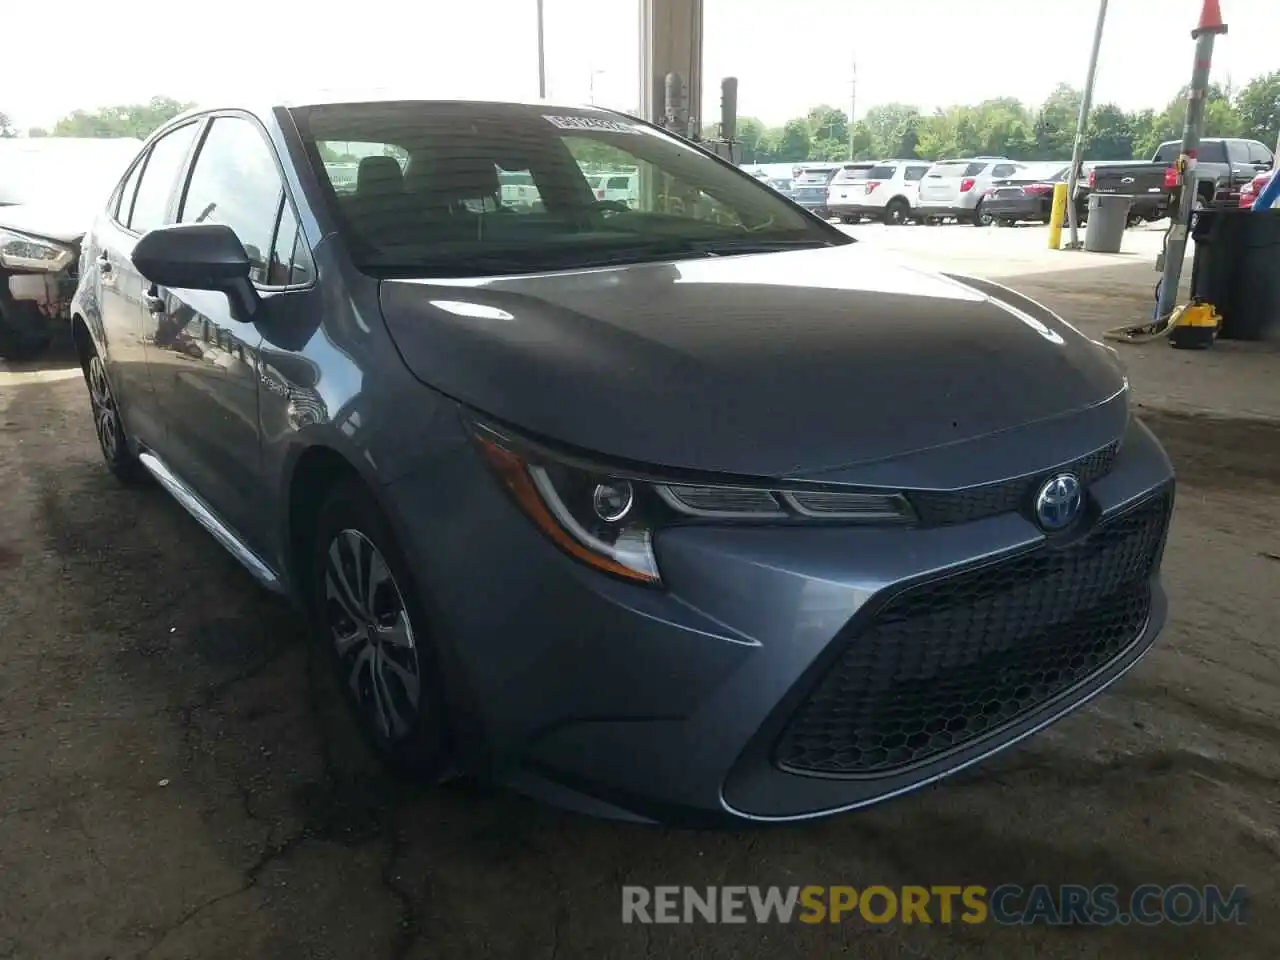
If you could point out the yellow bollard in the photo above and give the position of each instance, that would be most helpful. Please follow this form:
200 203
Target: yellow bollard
1057 215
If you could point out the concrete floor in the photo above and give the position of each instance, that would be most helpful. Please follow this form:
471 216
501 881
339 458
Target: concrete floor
175 781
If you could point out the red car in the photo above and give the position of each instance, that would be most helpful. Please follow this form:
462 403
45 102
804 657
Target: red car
1249 192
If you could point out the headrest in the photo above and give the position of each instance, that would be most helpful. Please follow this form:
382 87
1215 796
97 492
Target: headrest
450 179
378 173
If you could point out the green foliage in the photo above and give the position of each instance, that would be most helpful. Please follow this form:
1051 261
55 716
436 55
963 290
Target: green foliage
1258 108
1007 127
127 120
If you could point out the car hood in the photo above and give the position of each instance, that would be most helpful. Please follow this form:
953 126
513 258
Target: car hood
66 224
777 365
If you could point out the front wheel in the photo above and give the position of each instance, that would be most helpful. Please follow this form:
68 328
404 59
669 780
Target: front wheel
981 218
368 614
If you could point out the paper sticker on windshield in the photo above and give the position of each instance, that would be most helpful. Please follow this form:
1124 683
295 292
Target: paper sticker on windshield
589 123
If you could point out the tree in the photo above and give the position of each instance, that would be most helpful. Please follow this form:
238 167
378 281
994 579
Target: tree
828 123
794 141
1055 126
6 128
1258 107
894 129
750 132
37 132
1110 134
129 120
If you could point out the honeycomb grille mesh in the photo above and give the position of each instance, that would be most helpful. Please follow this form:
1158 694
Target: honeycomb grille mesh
938 508
948 661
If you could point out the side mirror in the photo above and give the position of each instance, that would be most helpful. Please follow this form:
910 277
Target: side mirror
198 256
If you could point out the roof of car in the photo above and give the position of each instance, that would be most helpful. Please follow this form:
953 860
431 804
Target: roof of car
264 109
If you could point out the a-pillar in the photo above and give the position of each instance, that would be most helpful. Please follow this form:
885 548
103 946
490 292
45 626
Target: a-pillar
670 42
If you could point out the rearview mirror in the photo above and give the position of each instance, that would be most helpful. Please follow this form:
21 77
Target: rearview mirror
198 256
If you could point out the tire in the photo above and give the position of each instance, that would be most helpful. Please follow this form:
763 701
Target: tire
367 613
1005 222
117 452
850 219
18 344
896 211
981 218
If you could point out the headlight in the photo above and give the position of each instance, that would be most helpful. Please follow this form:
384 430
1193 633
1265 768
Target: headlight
21 252
607 517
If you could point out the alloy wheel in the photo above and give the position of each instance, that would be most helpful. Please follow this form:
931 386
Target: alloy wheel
372 635
105 422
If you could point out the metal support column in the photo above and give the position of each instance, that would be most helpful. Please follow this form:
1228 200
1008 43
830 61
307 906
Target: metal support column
1082 125
1176 242
671 42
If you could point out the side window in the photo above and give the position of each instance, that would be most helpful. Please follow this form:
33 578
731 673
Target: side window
1003 170
235 182
1237 152
164 164
1258 153
916 173
974 169
122 209
1212 151
290 259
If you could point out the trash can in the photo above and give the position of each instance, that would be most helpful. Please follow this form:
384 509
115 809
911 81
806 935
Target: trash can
1108 217
1237 268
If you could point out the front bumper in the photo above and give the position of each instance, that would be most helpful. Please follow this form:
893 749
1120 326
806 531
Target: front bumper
40 297
680 704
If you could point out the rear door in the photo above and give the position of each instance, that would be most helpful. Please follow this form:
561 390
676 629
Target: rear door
942 183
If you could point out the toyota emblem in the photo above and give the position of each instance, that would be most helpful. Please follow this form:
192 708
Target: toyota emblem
1059 501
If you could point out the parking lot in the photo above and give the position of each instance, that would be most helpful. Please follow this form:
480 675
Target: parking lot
177 779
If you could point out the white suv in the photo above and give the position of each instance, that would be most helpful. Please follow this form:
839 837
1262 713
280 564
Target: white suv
888 192
955 188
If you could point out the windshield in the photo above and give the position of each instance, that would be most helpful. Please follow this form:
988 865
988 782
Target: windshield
648 195
63 172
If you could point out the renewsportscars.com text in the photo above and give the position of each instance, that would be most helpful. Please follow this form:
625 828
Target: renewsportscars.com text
1008 904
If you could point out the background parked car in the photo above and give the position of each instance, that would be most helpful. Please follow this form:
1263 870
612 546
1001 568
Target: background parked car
955 188
1249 192
1029 196
50 188
809 188
887 191
1223 167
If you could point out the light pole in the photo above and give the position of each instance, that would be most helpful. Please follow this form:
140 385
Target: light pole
542 58
1082 124
592 84
853 103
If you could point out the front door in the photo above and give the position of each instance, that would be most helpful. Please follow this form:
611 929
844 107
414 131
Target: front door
205 362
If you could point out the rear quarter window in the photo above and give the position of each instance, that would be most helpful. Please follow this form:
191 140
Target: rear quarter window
884 172
916 173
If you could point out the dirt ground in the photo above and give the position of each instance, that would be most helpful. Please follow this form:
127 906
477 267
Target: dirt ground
176 782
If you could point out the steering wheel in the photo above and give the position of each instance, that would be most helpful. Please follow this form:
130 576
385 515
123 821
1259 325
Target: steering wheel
612 206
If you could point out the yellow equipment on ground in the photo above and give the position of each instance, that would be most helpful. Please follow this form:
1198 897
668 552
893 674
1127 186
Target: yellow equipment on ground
1191 327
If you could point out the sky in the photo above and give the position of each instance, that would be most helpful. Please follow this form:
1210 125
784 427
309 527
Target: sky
937 52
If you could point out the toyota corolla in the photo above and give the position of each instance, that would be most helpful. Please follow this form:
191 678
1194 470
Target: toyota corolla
680 508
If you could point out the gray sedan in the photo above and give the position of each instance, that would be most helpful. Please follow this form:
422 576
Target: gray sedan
688 509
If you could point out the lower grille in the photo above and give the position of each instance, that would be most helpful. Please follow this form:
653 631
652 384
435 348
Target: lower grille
946 662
